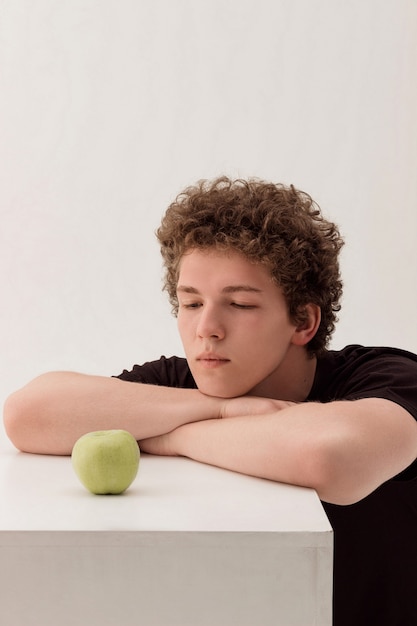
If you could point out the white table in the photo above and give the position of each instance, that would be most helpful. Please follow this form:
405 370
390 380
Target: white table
186 545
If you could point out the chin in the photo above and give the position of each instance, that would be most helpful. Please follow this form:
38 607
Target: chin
220 391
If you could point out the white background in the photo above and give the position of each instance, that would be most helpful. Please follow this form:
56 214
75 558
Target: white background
108 108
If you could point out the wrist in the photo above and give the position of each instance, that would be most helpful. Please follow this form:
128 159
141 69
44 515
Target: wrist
210 407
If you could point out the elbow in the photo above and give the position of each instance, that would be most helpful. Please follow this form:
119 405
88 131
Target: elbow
18 417
339 492
333 479
23 415
13 418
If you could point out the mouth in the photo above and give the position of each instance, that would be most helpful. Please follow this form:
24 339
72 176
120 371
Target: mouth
212 360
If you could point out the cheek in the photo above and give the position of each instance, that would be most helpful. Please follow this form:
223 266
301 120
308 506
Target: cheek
263 352
260 336
185 331
180 323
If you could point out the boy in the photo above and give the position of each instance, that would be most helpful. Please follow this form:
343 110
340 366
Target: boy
252 274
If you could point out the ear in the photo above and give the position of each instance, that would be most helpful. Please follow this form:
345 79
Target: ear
308 327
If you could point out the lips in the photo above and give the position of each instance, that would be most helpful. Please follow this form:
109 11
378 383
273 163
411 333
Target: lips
211 359
211 356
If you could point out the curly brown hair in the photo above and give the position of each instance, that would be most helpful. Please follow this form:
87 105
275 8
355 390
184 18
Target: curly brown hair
278 226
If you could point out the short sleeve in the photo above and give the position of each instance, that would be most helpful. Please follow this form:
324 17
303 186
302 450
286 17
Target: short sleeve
360 372
391 376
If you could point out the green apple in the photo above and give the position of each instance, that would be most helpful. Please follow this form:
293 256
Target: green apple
106 461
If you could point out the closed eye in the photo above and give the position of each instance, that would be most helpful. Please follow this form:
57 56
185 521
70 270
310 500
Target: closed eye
190 305
237 305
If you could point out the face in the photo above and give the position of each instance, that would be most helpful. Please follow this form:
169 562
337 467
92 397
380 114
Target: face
234 324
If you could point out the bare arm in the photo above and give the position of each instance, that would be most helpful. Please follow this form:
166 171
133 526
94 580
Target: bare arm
343 450
51 412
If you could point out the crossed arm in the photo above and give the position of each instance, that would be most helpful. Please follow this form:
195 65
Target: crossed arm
344 450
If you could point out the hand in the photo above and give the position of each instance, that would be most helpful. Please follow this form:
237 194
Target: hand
162 445
252 405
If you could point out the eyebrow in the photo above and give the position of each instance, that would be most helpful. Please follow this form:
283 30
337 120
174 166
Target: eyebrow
228 289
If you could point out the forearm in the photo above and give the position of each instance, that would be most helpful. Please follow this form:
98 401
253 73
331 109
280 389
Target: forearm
275 445
343 450
49 414
265 446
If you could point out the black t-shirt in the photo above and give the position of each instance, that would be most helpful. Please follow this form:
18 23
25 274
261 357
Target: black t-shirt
375 539
375 549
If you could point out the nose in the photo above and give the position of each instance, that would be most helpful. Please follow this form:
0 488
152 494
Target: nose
210 324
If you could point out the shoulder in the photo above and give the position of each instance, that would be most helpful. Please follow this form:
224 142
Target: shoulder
357 355
364 372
